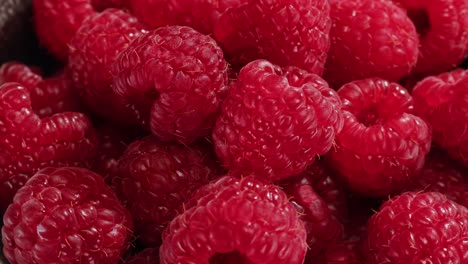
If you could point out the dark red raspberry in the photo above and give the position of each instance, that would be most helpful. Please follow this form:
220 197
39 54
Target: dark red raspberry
443 102
65 215
198 14
236 220
94 48
29 143
275 122
154 179
147 256
382 146
321 203
418 228
442 28
56 22
173 78
287 33
370 38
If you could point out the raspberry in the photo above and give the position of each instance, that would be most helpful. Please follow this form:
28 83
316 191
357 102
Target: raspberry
92 51
440 174
174 78
441 101
370 38
287 33
198 14
418 228
154 179
321 203
275 122
65 215
19 73
147 256
237 220
382 145
29 143
56 22
441 25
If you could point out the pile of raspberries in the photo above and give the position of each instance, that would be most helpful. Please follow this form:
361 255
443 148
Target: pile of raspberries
238 132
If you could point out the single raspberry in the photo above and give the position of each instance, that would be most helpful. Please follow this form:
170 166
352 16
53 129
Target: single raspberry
441 25
92 51
418 228
370 38
56 22
235 220
443 102
173 78
201 15
382 146
287 33
321 203
275 122
147 256
65 215
441 174
154 179
29 143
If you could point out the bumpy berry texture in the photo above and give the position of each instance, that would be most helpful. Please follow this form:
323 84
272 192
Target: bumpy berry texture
56 22
29 143
370 38
173 79
418 228
147 256
276 121
65 215
93 49
443 102
382 146
201 15
154 179
321 202
287 33
235 220
441 25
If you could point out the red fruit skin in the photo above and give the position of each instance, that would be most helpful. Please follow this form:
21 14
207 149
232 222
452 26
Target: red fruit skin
56 22
65 215
441 25
173 78
417 228
321 203
287 33
370 38
93 49
443 102
382 146
300 112
29 143
147 256
236 219
201 15
154 179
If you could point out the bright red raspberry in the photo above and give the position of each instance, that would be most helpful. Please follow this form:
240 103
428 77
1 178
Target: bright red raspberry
20 73
65 215
237 220
442 27
418 228
29 143
56 22
201 15
442 101
154 179
321 203
147 256
287 33
94 48
370 38
382 145
276 121
173 78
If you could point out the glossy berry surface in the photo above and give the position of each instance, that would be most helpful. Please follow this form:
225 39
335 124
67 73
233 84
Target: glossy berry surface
65 215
